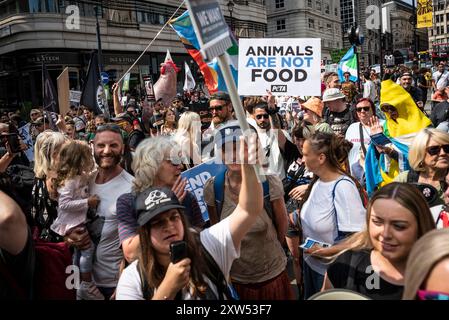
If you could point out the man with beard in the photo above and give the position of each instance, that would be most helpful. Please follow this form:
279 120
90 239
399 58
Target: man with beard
220 107
406 80
157 119
110 182
279 150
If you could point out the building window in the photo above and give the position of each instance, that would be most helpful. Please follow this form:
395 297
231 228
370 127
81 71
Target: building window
309 3
329 26
311 24
437 19
318 5
327 8
280 24
279 4
336 12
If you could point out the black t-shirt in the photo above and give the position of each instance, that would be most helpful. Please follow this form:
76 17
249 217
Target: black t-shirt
357 266
439 113
156 121
134 138
20 267
340 121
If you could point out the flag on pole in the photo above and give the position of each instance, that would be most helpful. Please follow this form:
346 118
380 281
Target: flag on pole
189 81
50 95
50 99
348 64
211 71
92 95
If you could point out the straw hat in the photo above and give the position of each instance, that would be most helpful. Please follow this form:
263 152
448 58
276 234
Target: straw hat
314 104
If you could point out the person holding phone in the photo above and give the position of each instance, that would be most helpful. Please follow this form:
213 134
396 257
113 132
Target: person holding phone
11 148
161 223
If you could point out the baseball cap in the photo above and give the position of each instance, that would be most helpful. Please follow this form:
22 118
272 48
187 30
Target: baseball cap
154 201
229 132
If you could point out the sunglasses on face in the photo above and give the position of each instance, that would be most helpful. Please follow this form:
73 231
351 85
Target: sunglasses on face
216 108
434 150
176 161
260 116
432 295
366 109
388 109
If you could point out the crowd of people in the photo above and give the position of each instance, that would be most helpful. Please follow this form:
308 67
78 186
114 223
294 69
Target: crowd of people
356 182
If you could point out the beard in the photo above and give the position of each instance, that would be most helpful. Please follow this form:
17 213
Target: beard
116 158
263 125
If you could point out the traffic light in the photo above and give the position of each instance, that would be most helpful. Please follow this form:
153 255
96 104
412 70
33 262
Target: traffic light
355 37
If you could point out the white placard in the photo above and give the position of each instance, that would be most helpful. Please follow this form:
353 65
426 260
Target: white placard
283 66
75 96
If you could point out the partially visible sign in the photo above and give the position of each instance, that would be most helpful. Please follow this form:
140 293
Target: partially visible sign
105 77
5 31
197 177
125 86
148 80
75 96
210 27
283 66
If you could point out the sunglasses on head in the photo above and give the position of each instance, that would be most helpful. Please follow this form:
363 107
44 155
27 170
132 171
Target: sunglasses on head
216 108
366 109
432 295
260 116
434 150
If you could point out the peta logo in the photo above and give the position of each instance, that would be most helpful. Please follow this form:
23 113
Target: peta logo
156 197
279 88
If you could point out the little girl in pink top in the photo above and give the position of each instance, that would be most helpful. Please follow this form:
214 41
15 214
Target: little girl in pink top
73 168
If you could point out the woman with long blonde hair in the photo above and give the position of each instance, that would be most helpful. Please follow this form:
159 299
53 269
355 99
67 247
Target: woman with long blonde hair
188 136
427 271
373 262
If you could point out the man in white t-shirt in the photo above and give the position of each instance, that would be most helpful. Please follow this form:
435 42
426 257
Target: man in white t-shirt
440 78
369 89
110 182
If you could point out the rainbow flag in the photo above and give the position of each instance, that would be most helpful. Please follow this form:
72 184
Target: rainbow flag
211 72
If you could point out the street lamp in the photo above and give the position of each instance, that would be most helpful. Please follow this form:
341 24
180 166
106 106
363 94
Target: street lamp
231 5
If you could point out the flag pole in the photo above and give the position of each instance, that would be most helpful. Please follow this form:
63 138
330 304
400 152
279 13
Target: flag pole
238 108
43 91
356 52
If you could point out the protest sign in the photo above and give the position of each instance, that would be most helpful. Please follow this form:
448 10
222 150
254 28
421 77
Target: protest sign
197 177
283 66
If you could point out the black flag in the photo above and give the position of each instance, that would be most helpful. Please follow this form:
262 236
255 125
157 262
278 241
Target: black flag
50 98
93 95
50 94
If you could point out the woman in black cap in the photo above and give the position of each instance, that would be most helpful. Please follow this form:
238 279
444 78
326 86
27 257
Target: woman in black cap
205 263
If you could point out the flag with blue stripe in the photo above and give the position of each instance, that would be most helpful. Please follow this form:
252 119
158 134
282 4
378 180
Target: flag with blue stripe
348 64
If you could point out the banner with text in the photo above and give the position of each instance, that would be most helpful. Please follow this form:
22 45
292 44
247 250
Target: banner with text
424 14
283 66
197 177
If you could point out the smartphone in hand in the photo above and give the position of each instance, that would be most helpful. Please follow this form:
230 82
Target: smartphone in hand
178 251
309 243
14 142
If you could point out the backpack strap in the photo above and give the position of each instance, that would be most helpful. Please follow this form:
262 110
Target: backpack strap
219 180
362 140
340 234
214 273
